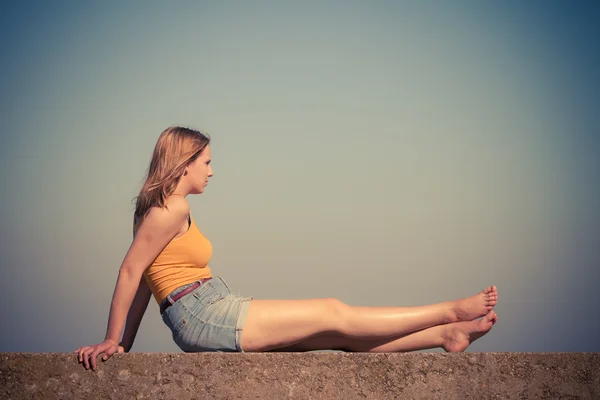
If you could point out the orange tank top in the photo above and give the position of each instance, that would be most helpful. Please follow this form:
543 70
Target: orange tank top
184 260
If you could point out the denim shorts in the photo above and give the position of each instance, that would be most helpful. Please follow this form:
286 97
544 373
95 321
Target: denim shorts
210 318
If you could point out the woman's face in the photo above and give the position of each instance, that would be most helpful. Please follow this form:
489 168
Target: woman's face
198 172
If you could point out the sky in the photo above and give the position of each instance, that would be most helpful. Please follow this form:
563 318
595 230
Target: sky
382 153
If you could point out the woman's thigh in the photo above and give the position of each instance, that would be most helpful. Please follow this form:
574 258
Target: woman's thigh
273 324
322 342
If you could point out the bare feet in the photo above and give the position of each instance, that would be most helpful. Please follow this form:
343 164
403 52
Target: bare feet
460 335
474 307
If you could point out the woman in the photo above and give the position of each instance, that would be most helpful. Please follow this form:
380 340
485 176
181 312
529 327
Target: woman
169 259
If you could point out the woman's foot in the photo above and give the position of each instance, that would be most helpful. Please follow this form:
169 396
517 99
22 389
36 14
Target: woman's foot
460 335
474 307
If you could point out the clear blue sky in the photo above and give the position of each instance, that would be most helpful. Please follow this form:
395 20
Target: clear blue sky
378 152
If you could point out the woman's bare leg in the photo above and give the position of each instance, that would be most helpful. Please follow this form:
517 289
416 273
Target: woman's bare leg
452 337
275 324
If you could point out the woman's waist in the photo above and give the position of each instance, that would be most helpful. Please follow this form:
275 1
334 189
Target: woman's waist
165 282
180 292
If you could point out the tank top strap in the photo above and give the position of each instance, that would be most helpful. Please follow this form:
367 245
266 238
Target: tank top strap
136 222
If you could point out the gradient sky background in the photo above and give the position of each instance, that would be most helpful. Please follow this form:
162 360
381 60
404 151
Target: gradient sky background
378 152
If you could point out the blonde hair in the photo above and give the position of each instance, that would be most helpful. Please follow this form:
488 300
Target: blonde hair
175 148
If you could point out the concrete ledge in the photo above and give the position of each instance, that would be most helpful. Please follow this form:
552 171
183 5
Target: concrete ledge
303 376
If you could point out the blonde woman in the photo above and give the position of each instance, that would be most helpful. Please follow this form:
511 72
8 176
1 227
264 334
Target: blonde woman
169 258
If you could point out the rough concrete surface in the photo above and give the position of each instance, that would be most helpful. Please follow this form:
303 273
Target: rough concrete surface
303 376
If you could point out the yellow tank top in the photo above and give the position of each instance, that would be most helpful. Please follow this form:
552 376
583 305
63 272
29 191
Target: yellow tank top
184 260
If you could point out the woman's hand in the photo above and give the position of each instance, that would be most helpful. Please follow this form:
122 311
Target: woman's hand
88 354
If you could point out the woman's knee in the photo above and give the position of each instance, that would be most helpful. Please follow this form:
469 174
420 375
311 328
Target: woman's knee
338 314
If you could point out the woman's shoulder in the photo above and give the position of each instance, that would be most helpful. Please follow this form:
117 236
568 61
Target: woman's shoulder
168 218
175 207
176 210
177 203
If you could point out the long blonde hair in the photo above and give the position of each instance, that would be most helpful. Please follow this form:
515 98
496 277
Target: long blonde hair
175 148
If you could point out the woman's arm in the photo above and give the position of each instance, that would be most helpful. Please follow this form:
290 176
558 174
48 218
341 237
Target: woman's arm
159 227
135 315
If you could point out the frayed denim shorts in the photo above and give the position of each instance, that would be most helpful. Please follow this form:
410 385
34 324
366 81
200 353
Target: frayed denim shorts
210 318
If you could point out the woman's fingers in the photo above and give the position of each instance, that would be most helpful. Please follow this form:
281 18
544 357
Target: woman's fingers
90 359
88 354
93 357
80 352
85 358
107 349
109 352
101 348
